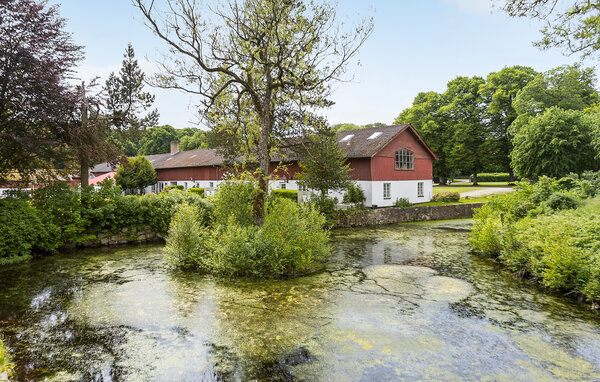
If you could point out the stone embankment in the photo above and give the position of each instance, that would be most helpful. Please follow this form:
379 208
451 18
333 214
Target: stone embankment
125 236
392 215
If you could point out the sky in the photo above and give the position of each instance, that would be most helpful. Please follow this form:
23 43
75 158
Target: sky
415 46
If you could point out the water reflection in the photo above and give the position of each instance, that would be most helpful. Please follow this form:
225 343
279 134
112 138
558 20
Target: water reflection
407 301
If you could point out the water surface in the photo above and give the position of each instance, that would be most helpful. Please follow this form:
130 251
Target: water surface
399 302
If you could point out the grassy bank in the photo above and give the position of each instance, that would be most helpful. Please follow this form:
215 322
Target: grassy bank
549 232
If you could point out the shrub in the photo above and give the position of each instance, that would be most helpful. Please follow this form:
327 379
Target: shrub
326 206
562 200
287 194
354 195
446 197
546 231
291 241
174 187
402 203
196 190
22 230
6 366
235 197
493 177
186 246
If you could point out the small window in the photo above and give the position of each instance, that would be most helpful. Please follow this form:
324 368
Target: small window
282 185
405 160
387 190
210 184
347 138
420 189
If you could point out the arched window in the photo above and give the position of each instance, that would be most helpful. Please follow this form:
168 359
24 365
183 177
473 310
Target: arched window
405 160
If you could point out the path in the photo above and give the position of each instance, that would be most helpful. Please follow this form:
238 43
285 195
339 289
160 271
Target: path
486 192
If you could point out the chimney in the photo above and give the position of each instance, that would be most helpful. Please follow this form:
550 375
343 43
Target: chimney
174 147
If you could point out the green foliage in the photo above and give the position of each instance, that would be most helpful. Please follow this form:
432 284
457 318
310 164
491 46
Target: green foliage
446 197
57 216
174 187
554 143
22 230
291 240
493 177
6 365
287 194
543 231
196 190
355 195
234 198
324 165
158 140
326 206
402 203
60 205
136 174
186 240
193 142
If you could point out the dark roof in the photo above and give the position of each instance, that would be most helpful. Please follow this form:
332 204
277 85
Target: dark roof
104 167
360 146
191 158
364 143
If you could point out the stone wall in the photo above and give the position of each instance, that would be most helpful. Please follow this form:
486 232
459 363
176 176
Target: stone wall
126 236
392 215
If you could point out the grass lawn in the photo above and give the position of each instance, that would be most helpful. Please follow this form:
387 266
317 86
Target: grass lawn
438 189
480 184
461 201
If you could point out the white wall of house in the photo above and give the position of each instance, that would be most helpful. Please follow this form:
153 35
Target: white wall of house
374 190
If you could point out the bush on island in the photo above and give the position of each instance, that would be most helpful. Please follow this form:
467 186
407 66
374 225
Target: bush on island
291 241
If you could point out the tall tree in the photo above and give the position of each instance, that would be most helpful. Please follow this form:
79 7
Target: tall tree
325 164
127 101
499 92
426 117
158 141
37 58
136 174
272 58
470 151
572 25
554 144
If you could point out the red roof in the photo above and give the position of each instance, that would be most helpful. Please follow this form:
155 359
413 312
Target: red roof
100 178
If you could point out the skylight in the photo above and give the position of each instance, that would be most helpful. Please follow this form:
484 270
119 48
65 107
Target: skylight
375 135
192 156
347 138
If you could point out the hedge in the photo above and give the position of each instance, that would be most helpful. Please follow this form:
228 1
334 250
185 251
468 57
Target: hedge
494 177
197 190
287 194
446 197
174 187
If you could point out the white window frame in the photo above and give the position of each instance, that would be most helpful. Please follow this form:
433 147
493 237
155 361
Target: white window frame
420 188
387 191
404 160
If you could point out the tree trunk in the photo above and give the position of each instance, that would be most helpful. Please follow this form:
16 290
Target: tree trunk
84 164
475 178
84 168
264 160
511 175
442 180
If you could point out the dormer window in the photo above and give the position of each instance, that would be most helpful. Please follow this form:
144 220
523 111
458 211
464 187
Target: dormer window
405 160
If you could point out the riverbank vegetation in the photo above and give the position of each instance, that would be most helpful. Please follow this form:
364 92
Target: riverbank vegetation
549 231
291 241
6 365
57 216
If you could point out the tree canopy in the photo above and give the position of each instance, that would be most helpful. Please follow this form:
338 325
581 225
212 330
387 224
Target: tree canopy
258 65
37 57
136 174
554 144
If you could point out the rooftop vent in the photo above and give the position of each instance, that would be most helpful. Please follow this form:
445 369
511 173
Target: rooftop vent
375 135
347 138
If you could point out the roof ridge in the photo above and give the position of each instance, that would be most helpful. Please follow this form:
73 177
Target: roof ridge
373 128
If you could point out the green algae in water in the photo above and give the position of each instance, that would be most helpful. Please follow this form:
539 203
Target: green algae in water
400 302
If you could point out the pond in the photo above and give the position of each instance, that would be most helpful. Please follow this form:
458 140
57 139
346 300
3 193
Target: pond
403 301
